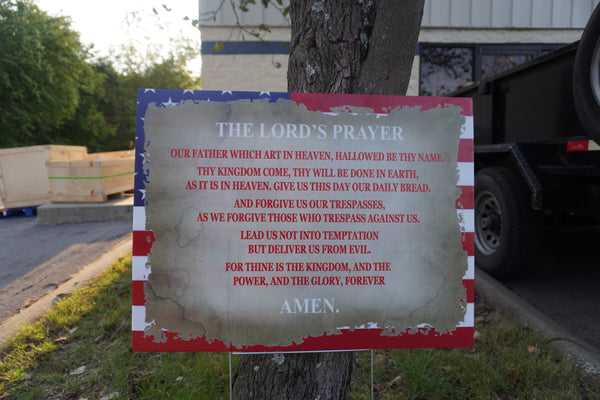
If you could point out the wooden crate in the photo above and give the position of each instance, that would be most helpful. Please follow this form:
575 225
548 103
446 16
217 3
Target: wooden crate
111 155
91 180
24 176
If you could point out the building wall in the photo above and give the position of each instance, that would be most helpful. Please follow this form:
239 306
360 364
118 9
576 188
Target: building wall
244 62
543 14
234 59
507 14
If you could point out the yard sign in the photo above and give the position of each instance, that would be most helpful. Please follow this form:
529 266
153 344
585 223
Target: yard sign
302 222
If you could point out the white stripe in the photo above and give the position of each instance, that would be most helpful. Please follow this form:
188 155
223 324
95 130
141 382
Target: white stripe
139 269
466 220
468 322
139 218
593 146
138 318
470 273
467 129
466 174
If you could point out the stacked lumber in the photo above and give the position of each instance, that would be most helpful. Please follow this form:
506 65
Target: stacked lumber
35 175
92 179
24 176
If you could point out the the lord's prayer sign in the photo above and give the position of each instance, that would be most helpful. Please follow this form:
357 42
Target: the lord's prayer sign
291 222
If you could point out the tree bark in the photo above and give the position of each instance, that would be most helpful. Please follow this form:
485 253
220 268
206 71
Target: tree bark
387 67
329 42
338 46
362 46
296 376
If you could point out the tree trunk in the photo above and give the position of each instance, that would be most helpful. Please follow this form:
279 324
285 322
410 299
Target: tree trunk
338 46
363 46
386 69
295 376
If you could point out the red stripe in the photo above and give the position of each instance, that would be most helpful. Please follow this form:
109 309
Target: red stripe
581 145
138 298
142 242
466 200
469 284
347 340
465 150
468 241
378 103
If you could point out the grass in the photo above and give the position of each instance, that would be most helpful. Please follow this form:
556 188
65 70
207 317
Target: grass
82 350
506 362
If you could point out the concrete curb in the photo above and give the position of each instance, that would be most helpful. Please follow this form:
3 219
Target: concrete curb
11 326
70 213
561 339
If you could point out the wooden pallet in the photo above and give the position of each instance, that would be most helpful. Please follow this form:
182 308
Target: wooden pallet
19 212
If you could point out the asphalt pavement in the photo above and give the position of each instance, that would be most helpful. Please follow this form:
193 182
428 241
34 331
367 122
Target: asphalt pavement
38 259
571 346
562 287
564 282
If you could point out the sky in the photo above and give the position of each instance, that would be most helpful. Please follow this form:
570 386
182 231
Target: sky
103 22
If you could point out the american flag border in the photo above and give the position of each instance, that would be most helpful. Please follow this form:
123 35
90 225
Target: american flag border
355 339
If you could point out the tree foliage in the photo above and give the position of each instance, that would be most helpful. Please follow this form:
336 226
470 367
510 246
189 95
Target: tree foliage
42 69
52 91
119 94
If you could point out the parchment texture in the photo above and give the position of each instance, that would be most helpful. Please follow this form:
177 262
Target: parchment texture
189 290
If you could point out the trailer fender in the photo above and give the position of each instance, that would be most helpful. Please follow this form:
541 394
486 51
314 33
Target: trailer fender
586 77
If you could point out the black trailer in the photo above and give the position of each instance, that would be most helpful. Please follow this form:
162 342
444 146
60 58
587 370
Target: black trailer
537 151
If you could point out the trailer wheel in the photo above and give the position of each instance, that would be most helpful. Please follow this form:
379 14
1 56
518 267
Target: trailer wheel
586 77
507 230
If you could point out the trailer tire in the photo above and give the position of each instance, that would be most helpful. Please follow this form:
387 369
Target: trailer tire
586 77
508 232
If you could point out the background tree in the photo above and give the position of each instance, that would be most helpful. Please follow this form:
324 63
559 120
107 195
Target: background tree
88 126
119 94
41 70
141 65
52 91
367 47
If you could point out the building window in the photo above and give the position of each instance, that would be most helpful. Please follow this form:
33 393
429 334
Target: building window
445 68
